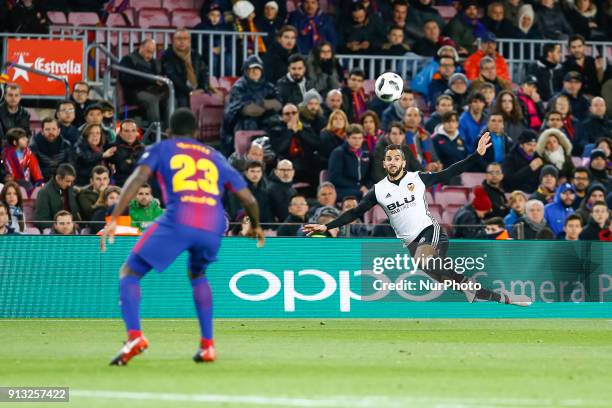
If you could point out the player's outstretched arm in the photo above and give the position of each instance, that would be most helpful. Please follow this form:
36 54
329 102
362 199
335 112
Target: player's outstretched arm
140 176
249 203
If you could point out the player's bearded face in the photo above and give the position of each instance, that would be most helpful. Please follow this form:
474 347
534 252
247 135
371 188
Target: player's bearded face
394 163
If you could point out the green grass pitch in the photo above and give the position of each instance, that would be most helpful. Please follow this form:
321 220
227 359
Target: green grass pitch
314 363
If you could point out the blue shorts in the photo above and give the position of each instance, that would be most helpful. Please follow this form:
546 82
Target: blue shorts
160 245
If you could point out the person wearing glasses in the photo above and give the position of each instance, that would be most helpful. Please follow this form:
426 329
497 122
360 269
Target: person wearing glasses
65 114
80 97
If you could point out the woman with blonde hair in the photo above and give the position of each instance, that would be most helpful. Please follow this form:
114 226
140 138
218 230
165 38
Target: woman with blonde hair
333 135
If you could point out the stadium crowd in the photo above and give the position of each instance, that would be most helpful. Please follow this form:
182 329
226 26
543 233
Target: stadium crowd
548 174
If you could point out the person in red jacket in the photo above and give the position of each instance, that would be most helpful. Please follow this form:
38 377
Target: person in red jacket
488 48
20 163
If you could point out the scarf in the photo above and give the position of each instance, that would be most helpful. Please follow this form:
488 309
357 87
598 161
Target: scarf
537 227
568 125
260 42
556 157
339 133
359 104
295 147
528 157
186 58
399 111
311 29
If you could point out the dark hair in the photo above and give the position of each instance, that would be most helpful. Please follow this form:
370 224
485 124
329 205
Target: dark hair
296 58
373 115
126 121
582 169
479 96
357 72
65 169
395 124
549 47
573 217
297 195
545 234
349 197
442 97
400 3
61 213
447 116
14 134
109 190
251 164
395 147
8 211
552 112
597 203
430 20
604 139
517 112
99 169
15 186
575 37
353 129
146 185
106 106
87 130
13 85
48 119
395 27
80 83
64 102
286 28
183 122
495 221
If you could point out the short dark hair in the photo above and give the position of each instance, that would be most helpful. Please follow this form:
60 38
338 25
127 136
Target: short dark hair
286 28
430 20
64 102
251 164
499 221
183 122
296 195
357 72
395 27
552 112
400 3
477 96
598 203
349 197
48 119
126 121
296 58
575 37
395 147
99 169
573 217
448 116
106 106
549 47
61 213
146 185
14 134
13 85
354 128
65 169
582 169
395 124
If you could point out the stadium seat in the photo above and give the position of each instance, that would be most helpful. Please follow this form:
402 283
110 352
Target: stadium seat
172 5
242 140
31 231
447 12
429 198
378 215
227 82
124 108
153 18
210 119
436 210
445 198
119 19
57 17
28 209
204 99
323 176
185 18
83 19
34 194
140 4
577 161
465 190
449 213
472 179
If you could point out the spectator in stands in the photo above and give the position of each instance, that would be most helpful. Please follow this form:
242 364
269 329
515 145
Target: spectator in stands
556 212
548 71
56 195
492 184
313 25
5 220
293 85
89 195
50 148
598 222
468 221
148 95
432 40
447 142
333 135
516 202
333 101
419 141
596 192
590 70
326 197
568 122
276 59
244 22
495 229
354 98
396 110
252 101
458 90
489 92
371 130
63 224
440 80
295 141
311 112
362 34
297 210
423 11
501 143
87 5
581 179
214 20
395 135
80 97
549 178
511 8
587 20
572 227
103 208
90 152
554 120
532 223
521 166
20 162
144 209
108 118
488 48
551 20
555 148
572 88
253 174
12 114
325 215
185 68
129 150
472 121
28 16
396 42
399 17
488 73
420 83
531 103
324 69
596 125
11 196
598 166
65 115
269 21
255 153
525 22
356 228
605 144
280 189
444 103
349 165
94 116
465 27
508 106
496 23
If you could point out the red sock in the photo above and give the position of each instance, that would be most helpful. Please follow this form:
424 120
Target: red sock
204 343
133 334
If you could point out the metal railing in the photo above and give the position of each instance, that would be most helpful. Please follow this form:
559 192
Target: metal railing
41 73
406 65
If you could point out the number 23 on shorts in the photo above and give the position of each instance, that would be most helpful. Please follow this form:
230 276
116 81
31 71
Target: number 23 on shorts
187 167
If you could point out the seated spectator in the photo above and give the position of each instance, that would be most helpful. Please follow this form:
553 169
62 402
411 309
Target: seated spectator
252 101
362 34
521 166
444 103
333 135
495 229
129 150
65 115
185 68
253 175
214 20
516 202
50 148
488 74
596 125
12 114
591 70
572 85
91 151
549 178
280 189
423 11
396 110
555 120
531 104
313 26
489 92
432 40
496 22
333 101
5 220
349 165
440 80
383 230
324 215
552 21
572 227
556 212
144 209
297 210
586 20
532 223
507 105
419 141
596 192
296 142
548 71
354 98
11 196
20 162
80 97
396 42
147 94
94 116
598 222
492 184
447 142
472 121
399 17
468 221
326 197
28 16
63 224
526 24
598 166
465 27
420 82
255 153
501 144
311 112
269 20
276 59
323 68
58 194
488 48
293 85
356 228
103 208
555 148
371 130
89 196
458 90
605 144
581 180
396 136
511 9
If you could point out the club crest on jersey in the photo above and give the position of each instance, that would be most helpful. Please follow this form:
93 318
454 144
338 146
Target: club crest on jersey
410 187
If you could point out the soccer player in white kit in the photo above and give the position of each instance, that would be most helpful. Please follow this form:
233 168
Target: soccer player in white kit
402 196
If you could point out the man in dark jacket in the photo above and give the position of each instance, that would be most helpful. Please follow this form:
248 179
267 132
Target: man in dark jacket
548 71
465 27
591 70
552 21
501 143
140 91
12 114
293 85
497 23
50 148
468 221
440 80
596 125
253 174
448 143
298 208
362 34
56 195
349 164
521 166
65 115
276 59
596 192
280 189
129 150
572 88
598 222
80 97
89 195
492 184
354 98
313 26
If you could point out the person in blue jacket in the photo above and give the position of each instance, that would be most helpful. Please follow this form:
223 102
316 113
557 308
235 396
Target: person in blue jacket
313 25
349 164
556 212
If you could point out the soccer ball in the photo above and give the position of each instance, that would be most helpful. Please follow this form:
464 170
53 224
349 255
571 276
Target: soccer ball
389 86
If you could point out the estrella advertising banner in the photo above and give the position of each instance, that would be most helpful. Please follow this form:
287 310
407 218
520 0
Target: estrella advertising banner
62 58
67 276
